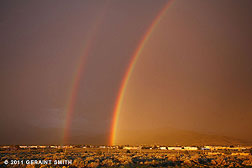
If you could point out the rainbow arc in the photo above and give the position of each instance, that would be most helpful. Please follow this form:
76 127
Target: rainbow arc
130 69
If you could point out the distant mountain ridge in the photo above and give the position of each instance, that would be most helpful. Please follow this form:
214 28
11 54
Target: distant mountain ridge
164 136
175 137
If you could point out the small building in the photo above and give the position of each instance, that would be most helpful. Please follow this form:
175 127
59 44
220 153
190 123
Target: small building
163 148
131 147
205 148
67 146
220 147
190 148
174 148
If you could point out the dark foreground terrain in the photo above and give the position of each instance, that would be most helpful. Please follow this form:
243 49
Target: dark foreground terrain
96 157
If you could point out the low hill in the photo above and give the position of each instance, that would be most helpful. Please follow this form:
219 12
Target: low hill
170 136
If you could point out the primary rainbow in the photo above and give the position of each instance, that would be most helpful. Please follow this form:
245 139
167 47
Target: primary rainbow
130 69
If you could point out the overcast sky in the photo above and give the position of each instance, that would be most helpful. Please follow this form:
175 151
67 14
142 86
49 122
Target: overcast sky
195 72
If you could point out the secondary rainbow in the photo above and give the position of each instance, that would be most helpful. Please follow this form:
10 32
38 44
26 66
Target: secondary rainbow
130 69
74 91
78 75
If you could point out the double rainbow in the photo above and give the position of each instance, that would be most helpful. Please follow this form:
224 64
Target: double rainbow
81 66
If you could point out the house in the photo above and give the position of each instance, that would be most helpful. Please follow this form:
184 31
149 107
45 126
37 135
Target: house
131 147
163 148
174 148
205 148
67 146
190 148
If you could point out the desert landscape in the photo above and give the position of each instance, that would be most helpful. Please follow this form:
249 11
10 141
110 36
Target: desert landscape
125 156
